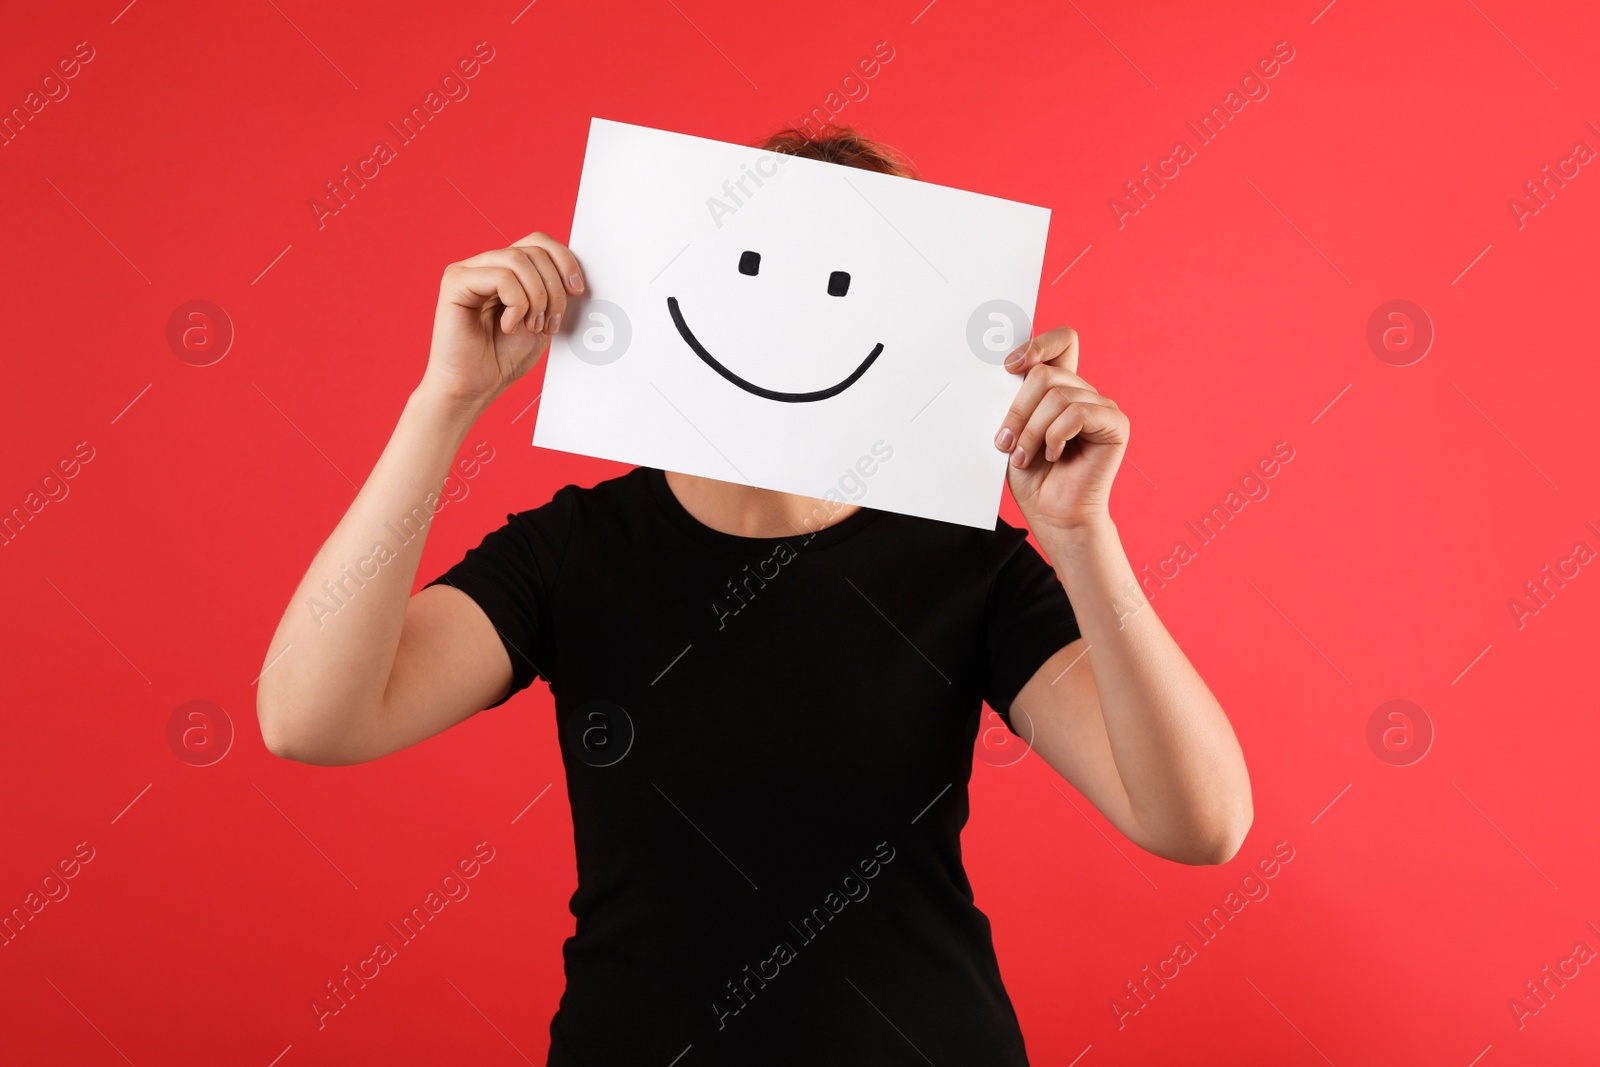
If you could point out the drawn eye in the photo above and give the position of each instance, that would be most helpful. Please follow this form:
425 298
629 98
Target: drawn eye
750 263
838 282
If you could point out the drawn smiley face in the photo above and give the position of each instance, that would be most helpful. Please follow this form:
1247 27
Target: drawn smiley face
750 265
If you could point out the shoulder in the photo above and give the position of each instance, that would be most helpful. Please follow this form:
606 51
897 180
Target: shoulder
572 503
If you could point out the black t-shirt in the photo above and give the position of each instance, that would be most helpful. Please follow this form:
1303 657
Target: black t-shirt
767 745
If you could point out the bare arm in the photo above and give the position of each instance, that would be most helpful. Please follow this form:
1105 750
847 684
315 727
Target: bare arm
1120 713
359 667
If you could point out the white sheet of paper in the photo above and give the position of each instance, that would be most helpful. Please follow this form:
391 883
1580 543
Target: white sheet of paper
771 379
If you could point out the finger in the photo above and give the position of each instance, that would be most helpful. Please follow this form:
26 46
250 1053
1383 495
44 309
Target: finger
566 263
1084 421
1062 376
1032 439
555 294
1058 347
1042 378
516 260
477 287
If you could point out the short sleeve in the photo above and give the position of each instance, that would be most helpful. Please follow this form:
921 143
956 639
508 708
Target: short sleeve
1028 620
512 575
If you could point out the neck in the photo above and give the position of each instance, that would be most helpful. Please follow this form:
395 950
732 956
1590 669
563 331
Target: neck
746 511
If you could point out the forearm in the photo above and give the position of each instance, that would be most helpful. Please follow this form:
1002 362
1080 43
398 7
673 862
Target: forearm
330 659
1175 751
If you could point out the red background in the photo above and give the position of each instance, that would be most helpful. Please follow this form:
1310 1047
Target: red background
1225 316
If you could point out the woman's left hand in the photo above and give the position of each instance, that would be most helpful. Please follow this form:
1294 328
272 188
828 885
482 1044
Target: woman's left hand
1066 440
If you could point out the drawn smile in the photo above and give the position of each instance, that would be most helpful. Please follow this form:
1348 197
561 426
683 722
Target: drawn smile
759 390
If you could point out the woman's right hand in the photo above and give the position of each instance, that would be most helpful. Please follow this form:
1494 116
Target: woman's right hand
497 313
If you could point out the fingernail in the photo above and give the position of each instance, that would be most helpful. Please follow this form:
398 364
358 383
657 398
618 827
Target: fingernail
555 322
1019 456
1014 360
576 281
538 322
1004 439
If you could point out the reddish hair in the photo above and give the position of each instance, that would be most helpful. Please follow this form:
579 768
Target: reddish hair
841 145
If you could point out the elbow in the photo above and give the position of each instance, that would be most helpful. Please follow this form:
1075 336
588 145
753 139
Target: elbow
271 723
284 747
295 749
1223 840
1221 834
1210 849
1225 846
275 732
1212 839
286 740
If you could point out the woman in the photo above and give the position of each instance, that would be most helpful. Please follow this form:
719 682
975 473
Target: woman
767 703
